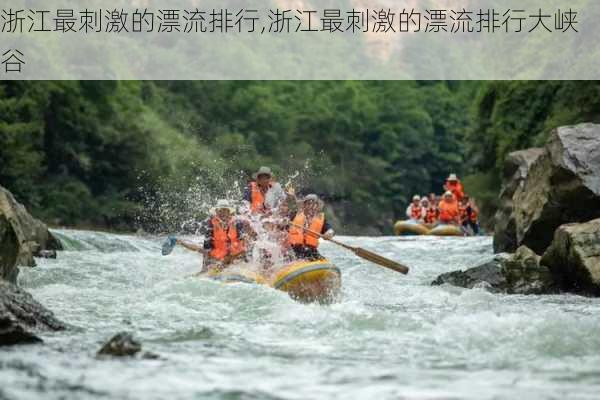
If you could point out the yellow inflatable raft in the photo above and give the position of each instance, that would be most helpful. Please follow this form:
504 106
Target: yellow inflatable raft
305 281
446 230
410 228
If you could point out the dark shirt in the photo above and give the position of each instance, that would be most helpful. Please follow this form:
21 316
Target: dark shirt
248 193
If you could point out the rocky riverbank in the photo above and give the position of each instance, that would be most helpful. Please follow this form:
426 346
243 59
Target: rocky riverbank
22 238
548 220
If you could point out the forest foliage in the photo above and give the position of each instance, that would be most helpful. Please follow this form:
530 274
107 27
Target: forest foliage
90 153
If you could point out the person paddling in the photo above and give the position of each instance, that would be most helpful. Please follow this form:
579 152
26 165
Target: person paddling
448 208
225 237
264 194
310 216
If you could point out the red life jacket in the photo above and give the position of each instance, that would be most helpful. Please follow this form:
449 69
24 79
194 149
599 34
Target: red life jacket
416 212
226 241
300 237
431 215
456 188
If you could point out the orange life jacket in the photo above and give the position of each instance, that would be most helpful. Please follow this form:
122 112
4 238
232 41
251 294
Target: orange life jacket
431 215
448 211
299 237
457 189
257 204
226 241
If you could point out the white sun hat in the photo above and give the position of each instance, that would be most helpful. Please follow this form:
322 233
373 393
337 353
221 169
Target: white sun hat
223 204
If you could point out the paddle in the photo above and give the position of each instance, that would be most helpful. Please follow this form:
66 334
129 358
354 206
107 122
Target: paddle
169 245
362 253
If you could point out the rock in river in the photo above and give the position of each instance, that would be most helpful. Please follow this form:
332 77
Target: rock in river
21 317
525 275
557 186
21 237
519 273
121 345
574 257
488 276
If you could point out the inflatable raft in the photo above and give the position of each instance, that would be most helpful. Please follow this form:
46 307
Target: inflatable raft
446 230
305 281
413 228
410 228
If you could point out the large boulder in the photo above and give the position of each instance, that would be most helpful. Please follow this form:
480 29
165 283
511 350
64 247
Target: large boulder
561 185
22 317
22 234
574 257
516 169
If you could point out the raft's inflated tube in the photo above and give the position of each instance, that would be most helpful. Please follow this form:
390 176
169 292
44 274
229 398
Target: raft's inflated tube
446 230
410 228
305 281
317 281
300 274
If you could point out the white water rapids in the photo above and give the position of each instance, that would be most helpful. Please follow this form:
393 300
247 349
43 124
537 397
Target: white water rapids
390 337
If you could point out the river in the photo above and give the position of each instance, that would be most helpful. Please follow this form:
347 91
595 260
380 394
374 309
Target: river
390 337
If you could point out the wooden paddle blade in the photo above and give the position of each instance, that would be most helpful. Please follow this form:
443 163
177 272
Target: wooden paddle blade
380 260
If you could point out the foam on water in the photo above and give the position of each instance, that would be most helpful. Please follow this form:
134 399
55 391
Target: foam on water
390 336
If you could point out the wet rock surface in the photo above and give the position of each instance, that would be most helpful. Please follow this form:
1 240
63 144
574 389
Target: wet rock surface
488 276
525 275
574 257
121 345
519 273
22 317
560 184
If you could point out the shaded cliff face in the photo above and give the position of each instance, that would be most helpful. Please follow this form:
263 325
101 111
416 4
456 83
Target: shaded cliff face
21 236
9 250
